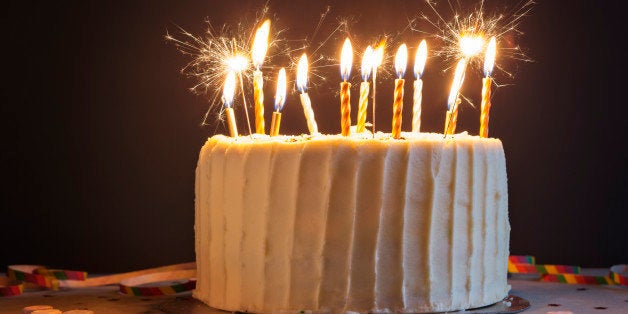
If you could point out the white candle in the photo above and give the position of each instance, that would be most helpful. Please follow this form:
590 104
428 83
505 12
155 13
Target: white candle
305 98
419 66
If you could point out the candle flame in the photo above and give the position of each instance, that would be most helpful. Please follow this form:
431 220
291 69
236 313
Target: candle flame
237 63
280 95
367 63
229 89
457 83
471 45
346 60
401 60
378 56
420 58
260 44
489 57
302 74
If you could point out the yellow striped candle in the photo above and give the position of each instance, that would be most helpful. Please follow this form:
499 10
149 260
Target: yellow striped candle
367 68
489 61
258 53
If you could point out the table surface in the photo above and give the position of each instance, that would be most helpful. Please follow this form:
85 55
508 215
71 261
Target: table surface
543 297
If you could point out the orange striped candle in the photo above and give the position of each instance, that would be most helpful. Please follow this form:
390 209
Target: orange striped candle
401 62
346 59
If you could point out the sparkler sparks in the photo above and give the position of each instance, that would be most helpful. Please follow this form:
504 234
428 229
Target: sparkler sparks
231 49
220 51
466 36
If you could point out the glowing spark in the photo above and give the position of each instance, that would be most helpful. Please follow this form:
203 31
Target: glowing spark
489 58
280 95
456 84
401 60
471 45
260 44
464 34
229 89
237 63
346 60
419 59
367 63
302 74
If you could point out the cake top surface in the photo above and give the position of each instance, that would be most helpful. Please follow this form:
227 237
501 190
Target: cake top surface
357 138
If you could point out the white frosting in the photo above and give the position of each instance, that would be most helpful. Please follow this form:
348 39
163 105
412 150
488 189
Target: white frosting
335 224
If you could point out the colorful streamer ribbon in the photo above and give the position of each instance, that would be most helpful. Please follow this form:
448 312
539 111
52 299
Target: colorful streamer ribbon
132 283
9 287
526 264
138 283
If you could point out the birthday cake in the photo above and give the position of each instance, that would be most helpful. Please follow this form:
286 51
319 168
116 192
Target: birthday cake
333 224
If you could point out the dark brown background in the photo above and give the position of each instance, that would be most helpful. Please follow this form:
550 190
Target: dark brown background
101 134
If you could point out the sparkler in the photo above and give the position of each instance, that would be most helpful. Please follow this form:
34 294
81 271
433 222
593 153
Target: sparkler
464 35
378 58
217 52
453 100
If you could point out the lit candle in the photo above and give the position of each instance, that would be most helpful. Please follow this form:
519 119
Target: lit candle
346 59
453 101
238 63
367 68
401 62
227 98
258 53
378 57
489 61
305 98
419 66
280 100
